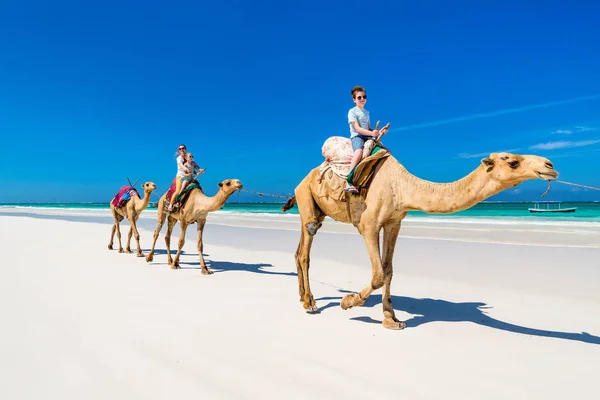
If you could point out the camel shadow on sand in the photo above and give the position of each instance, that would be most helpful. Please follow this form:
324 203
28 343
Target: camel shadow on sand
222 266
435 310
163 252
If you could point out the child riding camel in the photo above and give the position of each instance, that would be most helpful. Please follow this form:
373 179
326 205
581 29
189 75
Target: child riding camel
191 169
186 168
360 129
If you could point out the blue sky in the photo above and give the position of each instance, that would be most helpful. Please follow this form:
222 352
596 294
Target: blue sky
93 93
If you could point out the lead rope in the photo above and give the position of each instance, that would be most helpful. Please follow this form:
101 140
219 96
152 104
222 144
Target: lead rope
266 194
545 193
568 183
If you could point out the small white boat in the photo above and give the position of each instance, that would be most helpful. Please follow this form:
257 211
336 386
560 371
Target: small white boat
544 207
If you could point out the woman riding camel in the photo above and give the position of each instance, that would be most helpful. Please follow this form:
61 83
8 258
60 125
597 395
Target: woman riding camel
183 173
181 169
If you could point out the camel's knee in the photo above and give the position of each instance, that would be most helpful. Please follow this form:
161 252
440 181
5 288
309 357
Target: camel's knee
312 228
376 284
377 281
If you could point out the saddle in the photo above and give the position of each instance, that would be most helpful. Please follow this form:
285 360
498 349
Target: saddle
183 196
335 170
123 196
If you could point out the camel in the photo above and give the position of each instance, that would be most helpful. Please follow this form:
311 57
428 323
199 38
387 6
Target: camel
391 194
194 210
132 210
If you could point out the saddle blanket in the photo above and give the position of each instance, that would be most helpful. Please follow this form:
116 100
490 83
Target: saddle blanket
189 187
123 195
338 153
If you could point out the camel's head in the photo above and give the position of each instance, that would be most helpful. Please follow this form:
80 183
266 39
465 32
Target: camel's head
230 185
513 169
149 187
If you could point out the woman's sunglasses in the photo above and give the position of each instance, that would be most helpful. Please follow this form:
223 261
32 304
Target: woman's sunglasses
361 97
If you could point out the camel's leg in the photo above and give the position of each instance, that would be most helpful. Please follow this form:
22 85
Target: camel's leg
118 228
129 235
129 210
312 218
370 235
303 265
170 224
112 236
180 244
114 227
161 220
136 235
299 252
205 269
390 235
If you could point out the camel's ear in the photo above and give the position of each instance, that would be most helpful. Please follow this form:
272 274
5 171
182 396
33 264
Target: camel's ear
220 184
488 161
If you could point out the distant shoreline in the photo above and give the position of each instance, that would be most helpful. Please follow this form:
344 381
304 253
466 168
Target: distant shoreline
588 213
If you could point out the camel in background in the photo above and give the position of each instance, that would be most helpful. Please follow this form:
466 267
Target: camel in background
193 209
131 211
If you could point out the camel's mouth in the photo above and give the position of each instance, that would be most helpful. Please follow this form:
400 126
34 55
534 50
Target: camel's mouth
547 176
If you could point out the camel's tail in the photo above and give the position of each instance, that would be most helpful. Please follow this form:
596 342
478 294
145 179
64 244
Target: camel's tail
289 204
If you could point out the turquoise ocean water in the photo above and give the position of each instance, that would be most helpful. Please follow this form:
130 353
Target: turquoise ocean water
586 211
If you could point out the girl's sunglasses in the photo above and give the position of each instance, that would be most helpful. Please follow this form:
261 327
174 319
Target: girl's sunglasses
361 97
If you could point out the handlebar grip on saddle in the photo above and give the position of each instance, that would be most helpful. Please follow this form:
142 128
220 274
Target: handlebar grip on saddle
381 134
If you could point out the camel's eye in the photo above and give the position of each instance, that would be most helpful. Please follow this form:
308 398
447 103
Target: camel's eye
228 183
513 164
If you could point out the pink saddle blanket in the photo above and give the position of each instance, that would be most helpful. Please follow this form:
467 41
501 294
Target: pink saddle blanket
123 196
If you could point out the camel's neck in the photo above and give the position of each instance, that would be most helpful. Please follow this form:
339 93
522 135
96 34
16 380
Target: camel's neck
210 204
141 204
444 198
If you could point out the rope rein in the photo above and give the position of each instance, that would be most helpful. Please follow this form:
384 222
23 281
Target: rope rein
568 183
279 196
577 184
545 193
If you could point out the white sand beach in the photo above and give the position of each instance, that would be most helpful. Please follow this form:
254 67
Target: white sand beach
493 311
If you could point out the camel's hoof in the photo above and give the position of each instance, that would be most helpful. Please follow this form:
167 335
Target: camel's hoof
110 247
149 258
390 323
140 254
310 305
311 309
348 301
128 251
311 228
120 250
175 266
206 271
